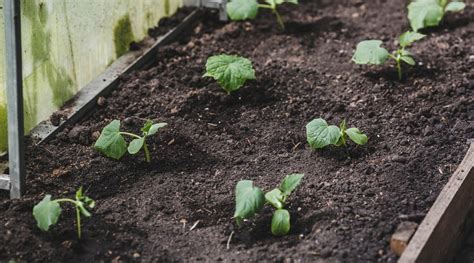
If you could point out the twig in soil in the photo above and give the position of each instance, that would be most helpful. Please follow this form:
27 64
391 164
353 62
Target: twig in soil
207 210
229 239
296 146
194 226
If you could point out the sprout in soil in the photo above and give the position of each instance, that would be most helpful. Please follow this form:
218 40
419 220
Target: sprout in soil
370 52
319 134
248 9
47 211
112 143
249 200
428 13
231 72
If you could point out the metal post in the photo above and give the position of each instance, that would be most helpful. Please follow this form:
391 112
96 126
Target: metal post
216 4
14 87
223 11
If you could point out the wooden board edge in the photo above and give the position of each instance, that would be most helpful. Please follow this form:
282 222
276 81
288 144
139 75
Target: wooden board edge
439 232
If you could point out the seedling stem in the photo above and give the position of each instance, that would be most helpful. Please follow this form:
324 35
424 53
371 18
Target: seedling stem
78 213
130 134
147 152
398 62
277 14
145 146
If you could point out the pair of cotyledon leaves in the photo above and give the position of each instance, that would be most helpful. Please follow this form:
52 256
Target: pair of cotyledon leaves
371 52
250 200
112 143
248 9
47 211
319 134
428 13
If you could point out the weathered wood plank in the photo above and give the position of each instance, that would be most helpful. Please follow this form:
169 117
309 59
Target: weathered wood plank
443 229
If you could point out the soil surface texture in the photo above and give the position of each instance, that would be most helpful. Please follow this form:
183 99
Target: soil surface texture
179 207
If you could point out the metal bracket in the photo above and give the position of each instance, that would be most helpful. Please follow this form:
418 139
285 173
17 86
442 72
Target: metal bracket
215 4
4 182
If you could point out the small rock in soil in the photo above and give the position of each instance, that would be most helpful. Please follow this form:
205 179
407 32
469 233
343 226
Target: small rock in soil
101 101
402 235
79 134
56 118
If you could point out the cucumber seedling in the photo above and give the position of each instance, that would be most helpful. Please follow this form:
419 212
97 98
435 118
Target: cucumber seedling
231 72
47 211
249 200
112 143
369 52
319 134
428 13
248 9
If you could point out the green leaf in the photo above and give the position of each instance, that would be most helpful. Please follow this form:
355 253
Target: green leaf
357 136
111 142
320 135
290 183
46 213
424 13
370 52
281 222
242 9
136 145
83 210
455 7
155 127
89 202
409 37
147 126
409 60
249 200
279 2
275 197
81 198
231 72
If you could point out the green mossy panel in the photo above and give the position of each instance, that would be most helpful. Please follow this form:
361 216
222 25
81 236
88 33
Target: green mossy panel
40 39
123 36
66 44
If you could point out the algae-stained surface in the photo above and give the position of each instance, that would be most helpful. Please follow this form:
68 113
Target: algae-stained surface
67 43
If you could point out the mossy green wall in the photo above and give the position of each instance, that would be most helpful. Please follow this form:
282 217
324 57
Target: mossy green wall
67 43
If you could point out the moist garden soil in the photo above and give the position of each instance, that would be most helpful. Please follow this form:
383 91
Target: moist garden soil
179 208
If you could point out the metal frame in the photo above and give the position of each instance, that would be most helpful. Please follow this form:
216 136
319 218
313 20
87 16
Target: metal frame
15 181
215 4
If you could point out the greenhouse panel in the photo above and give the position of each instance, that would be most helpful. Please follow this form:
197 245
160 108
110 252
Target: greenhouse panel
67 43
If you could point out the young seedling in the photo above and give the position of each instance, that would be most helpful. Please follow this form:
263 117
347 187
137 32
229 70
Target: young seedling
47 211
319 134
370 52
248 9
249 200
231 72
428 13
112 143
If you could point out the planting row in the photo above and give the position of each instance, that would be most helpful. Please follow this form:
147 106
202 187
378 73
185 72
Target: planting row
232 72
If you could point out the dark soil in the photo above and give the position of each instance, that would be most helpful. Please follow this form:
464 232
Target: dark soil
348 204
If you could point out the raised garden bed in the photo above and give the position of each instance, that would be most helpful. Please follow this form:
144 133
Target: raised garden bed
348 204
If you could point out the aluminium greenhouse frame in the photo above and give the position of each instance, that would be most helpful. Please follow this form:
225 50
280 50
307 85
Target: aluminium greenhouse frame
16 179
